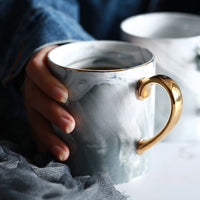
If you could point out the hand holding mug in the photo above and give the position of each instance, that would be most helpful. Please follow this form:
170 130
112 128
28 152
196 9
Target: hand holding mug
42 94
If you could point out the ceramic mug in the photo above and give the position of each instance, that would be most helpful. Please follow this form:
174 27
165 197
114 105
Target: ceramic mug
109 85
174 39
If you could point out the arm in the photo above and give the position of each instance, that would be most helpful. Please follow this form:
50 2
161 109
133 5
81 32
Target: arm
36 29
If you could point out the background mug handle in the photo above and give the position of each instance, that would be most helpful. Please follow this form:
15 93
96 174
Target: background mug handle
143 90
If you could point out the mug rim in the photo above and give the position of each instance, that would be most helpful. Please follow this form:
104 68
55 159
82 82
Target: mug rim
167 14
49 59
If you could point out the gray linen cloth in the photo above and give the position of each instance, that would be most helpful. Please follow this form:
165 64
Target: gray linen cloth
22 180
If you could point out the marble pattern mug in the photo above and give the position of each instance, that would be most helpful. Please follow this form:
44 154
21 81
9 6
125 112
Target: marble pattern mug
112 100
174 39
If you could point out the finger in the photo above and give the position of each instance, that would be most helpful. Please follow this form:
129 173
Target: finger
48 108
39 73
45 138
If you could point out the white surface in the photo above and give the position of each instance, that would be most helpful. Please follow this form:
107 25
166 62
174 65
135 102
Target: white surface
174 174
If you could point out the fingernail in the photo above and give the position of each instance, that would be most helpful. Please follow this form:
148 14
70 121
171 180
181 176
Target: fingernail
69 125
62 156
69 128
65 97
60 153
62 93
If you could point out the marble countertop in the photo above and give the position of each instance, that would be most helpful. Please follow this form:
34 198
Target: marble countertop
174 174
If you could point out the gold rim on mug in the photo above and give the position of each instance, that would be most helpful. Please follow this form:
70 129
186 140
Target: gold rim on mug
103 71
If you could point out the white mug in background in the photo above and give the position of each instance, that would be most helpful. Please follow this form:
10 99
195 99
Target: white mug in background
111 100
174 39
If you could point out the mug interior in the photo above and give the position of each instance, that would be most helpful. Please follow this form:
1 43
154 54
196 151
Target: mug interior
100 56
162 25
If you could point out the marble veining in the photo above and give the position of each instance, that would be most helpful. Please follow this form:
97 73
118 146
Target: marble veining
109 117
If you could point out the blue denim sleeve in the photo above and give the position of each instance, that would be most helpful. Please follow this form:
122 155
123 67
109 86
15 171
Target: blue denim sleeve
27 25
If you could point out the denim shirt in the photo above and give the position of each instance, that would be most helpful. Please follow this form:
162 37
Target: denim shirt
28 25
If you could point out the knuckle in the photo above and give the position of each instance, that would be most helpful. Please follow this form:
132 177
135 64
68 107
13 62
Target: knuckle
58 110
35 62
31 66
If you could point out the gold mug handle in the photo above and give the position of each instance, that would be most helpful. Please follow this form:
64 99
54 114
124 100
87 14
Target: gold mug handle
143 91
